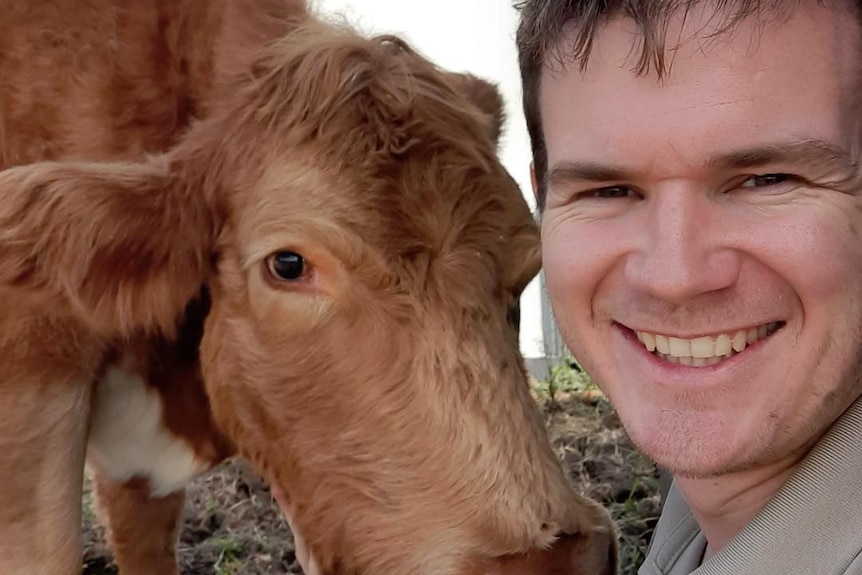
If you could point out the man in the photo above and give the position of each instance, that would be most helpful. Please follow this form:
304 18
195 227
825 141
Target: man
697 170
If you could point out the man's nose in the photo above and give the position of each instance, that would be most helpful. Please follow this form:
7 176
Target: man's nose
682 249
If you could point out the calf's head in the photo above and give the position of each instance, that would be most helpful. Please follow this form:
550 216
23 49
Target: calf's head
362 245
358 349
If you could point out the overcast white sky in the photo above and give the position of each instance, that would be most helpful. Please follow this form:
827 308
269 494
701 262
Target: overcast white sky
476 36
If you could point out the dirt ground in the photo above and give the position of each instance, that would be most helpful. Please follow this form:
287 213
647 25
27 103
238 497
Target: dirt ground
232 527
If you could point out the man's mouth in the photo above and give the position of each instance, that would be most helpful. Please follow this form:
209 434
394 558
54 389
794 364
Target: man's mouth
705 350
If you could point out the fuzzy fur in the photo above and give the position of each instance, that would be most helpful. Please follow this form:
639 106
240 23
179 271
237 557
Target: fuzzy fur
157 154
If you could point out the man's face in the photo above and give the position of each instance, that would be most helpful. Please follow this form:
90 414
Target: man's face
714 216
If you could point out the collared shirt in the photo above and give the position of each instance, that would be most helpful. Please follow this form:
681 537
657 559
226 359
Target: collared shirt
811 526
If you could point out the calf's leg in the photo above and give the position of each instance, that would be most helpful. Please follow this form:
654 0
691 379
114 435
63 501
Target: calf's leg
142 529
150 435
43 430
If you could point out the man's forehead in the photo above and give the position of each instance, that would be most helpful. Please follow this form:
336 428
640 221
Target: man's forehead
812 43
729 96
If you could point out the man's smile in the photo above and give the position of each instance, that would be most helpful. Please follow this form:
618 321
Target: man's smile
704 350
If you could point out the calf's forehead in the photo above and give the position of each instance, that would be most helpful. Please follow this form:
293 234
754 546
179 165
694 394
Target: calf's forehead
423 201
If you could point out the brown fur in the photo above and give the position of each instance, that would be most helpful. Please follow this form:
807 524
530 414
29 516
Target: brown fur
142 530
383 391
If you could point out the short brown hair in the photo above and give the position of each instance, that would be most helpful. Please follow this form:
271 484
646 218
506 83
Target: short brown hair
545 23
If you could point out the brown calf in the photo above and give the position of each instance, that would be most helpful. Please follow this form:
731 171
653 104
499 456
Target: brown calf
236 229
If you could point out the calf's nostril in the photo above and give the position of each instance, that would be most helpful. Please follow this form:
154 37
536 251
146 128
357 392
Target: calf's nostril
569 555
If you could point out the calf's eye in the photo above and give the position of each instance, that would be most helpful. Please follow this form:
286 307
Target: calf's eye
287 266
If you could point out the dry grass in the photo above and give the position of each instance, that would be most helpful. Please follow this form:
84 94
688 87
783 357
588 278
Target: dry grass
590 441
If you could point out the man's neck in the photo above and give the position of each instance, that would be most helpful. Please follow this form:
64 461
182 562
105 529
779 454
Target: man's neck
724 505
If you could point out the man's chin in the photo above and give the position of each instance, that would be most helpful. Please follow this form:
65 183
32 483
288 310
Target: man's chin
698 473
694 460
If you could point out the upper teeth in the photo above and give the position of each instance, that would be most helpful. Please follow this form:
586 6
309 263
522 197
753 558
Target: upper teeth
712 347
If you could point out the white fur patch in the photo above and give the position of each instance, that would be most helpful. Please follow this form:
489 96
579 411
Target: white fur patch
128 437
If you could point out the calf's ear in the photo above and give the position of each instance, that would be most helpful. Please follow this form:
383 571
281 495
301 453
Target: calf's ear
526 244
485 96
524 232
123 247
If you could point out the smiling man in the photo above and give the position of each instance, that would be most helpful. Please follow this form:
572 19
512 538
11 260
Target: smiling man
696 165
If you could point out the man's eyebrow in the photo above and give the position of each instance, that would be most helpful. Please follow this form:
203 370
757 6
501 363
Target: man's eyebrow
800 152
586 172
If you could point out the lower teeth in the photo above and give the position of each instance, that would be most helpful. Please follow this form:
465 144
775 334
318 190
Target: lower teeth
694 361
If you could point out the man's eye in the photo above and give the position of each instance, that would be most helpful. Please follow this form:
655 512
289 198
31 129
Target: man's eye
765 180
612 192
